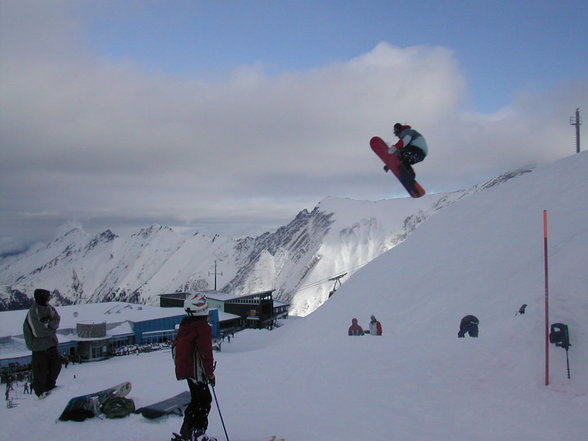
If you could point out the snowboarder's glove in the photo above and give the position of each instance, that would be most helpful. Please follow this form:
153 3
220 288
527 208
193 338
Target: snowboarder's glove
211 380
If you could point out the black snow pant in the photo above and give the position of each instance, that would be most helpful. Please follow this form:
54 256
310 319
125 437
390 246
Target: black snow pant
468 328
410 155
46 366
196 414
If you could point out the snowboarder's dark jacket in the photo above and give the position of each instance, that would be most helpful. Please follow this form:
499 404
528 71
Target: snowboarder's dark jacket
193 350
469 320
40 326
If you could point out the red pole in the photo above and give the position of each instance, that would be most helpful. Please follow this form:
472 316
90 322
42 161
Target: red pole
546 298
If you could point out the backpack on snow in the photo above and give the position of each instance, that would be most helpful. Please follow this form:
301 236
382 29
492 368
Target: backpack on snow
118 407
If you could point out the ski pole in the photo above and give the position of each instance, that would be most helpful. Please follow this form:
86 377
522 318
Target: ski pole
219 412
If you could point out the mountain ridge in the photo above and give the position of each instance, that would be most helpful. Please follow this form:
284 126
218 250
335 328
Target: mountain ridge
297 260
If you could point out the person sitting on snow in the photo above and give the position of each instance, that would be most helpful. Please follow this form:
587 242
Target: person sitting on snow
469 324
355 329
375 326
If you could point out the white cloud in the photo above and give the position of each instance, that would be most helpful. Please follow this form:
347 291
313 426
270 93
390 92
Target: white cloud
93 139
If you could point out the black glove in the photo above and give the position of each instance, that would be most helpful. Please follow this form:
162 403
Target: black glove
211 380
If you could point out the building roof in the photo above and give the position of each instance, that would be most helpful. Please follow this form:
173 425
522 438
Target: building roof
110 312
217 295
117 316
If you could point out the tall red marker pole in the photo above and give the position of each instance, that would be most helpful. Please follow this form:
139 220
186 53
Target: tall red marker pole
546 298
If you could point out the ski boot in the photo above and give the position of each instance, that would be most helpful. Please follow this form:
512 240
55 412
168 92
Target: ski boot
195 436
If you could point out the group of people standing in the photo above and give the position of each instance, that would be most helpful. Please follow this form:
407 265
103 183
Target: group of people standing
375 327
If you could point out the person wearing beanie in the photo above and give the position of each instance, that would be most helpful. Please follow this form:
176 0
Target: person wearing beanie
194 362
40 332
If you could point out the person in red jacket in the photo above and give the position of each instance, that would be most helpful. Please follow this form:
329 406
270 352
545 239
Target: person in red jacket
194 362
355 328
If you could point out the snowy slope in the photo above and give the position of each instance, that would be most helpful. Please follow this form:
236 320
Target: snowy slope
308 381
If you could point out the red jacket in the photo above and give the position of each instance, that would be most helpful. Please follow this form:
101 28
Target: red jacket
193 350
355 329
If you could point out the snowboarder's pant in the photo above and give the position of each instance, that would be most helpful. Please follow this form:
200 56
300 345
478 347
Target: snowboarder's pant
410 155
46 366
470 328
196 414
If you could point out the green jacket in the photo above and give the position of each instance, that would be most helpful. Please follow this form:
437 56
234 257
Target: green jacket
40 326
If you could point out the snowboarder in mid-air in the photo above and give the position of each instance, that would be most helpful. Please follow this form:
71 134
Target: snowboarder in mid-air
411 147
194 362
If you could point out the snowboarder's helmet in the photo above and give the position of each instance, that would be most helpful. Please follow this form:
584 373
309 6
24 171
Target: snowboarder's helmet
195 304
397 129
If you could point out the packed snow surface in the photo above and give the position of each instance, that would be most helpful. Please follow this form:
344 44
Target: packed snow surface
309 381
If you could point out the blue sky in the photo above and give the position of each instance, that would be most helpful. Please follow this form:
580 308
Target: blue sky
503 46
231 116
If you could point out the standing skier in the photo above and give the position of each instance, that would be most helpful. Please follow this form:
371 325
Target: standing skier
40 328
194 362
411 148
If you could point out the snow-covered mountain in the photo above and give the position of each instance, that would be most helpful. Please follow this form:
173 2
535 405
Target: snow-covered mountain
337 237
309 381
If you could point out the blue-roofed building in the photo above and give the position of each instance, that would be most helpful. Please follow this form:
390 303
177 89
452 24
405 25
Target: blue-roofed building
95 331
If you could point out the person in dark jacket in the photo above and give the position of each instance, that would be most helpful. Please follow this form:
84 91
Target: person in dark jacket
194 362
469 324
40 329
355 329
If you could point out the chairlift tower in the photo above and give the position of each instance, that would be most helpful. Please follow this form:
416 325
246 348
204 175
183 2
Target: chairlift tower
576 121
337 280
215 274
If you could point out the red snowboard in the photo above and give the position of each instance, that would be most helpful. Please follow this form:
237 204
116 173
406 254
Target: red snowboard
380 148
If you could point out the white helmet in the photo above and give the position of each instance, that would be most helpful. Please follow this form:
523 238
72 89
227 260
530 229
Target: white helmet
195 304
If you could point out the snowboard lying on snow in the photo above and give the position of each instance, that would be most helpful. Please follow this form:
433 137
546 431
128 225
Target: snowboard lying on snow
174 405
88 406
